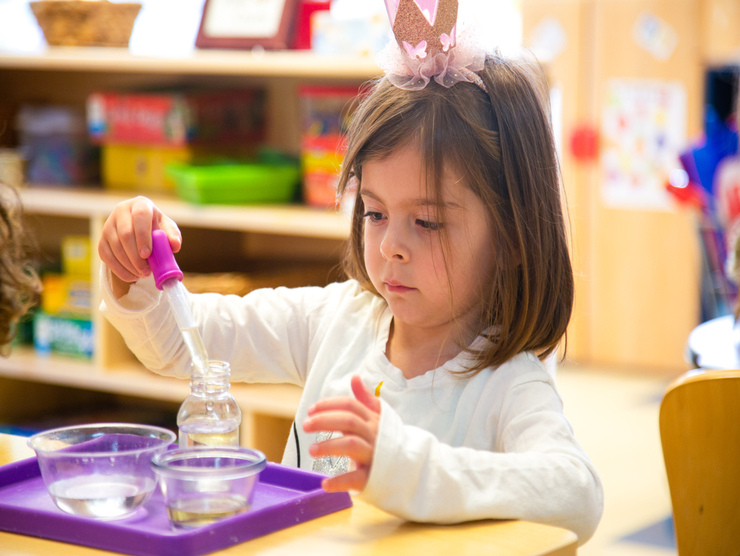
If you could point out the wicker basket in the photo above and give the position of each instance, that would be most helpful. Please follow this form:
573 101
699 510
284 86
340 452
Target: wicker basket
85 22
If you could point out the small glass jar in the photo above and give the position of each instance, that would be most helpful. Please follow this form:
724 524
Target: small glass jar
209 416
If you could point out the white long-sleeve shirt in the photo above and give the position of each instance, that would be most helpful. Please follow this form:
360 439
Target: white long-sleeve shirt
449 449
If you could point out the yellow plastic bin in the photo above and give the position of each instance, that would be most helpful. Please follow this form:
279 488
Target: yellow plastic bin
141 167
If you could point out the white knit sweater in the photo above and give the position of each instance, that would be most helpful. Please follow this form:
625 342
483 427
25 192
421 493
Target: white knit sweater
496 445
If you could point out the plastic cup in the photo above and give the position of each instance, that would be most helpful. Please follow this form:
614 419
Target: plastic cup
204 485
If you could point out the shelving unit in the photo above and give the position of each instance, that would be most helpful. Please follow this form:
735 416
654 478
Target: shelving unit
285 220
280 64
216 237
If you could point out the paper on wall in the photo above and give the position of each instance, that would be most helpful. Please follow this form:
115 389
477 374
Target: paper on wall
643 129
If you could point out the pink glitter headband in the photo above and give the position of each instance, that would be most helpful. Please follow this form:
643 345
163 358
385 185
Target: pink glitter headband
427 46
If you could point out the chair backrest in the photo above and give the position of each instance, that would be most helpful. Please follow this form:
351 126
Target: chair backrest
700 434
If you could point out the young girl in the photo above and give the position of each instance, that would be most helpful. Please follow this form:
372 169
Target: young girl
424 369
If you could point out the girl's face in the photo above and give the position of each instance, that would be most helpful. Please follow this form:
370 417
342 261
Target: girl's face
403 252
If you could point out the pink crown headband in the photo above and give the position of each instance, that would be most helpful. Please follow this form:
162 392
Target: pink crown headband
427 46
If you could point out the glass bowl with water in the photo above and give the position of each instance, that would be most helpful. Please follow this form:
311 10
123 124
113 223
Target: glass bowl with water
102 470
206 484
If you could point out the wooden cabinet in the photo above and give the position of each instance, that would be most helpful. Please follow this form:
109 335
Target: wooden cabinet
215 238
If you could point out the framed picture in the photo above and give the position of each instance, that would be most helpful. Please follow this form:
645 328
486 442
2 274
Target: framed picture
243 24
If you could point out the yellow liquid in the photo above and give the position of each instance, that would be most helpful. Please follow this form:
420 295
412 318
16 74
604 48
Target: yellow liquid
189 439
202 511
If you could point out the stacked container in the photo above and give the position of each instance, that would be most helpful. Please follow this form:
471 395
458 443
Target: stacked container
143 133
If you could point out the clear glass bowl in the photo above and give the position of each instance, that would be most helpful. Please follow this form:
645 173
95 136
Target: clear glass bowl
100 470
203 485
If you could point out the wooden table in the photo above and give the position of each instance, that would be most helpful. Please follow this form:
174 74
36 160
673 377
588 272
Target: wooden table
360 530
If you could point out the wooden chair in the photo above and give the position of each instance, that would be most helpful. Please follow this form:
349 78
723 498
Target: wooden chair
700 434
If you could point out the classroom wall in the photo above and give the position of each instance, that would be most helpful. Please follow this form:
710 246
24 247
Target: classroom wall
636 251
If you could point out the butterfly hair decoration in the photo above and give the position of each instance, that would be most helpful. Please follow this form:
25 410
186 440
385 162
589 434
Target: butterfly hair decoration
427 46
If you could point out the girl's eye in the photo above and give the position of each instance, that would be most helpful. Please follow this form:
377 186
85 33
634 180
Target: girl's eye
428 225
373 216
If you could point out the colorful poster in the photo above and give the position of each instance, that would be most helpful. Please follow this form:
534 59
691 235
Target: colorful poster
643 129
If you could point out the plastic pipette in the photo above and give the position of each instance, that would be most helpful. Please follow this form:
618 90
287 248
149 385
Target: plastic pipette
168 279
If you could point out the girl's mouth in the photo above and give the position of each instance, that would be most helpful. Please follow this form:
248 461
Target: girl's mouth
395 287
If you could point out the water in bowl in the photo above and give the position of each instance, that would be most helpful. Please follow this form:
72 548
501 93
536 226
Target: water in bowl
118 496
206 509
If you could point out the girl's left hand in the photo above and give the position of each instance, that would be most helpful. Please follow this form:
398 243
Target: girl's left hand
357 418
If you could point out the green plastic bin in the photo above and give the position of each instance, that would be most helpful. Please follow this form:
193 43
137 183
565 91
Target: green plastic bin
234 184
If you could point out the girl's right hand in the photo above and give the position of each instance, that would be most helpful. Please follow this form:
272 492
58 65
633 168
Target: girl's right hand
126 240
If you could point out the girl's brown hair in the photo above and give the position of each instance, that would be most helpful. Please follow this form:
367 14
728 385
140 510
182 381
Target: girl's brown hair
501 142
19 282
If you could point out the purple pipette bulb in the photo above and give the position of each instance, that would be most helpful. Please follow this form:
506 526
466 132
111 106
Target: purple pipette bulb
162 260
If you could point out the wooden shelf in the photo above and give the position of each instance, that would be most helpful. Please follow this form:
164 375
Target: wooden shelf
297 64
279 400
68 75
267 409
292 220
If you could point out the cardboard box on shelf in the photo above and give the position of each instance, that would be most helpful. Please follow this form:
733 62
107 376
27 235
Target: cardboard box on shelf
63 322
176 119
76 255
141 167
325 112
321 161
64 335
65 294
55 145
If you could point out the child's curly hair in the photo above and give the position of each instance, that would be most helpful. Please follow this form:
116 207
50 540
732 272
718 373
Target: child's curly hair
19 282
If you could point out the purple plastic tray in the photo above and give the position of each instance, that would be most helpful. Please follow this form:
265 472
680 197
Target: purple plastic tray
284 496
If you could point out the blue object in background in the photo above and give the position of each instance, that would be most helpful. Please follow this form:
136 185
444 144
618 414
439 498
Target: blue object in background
720 141
18 430
700 162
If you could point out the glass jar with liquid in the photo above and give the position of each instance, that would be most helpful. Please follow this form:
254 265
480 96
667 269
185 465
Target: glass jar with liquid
209 416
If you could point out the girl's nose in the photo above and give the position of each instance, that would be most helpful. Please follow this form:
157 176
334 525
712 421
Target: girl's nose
395 243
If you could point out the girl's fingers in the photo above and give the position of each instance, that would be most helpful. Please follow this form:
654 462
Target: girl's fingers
173 232
116 244
353 447
356 418
118 233
143 218
364 396
364 402
340 421
108 257
340 403
354 480
126 241
131 251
